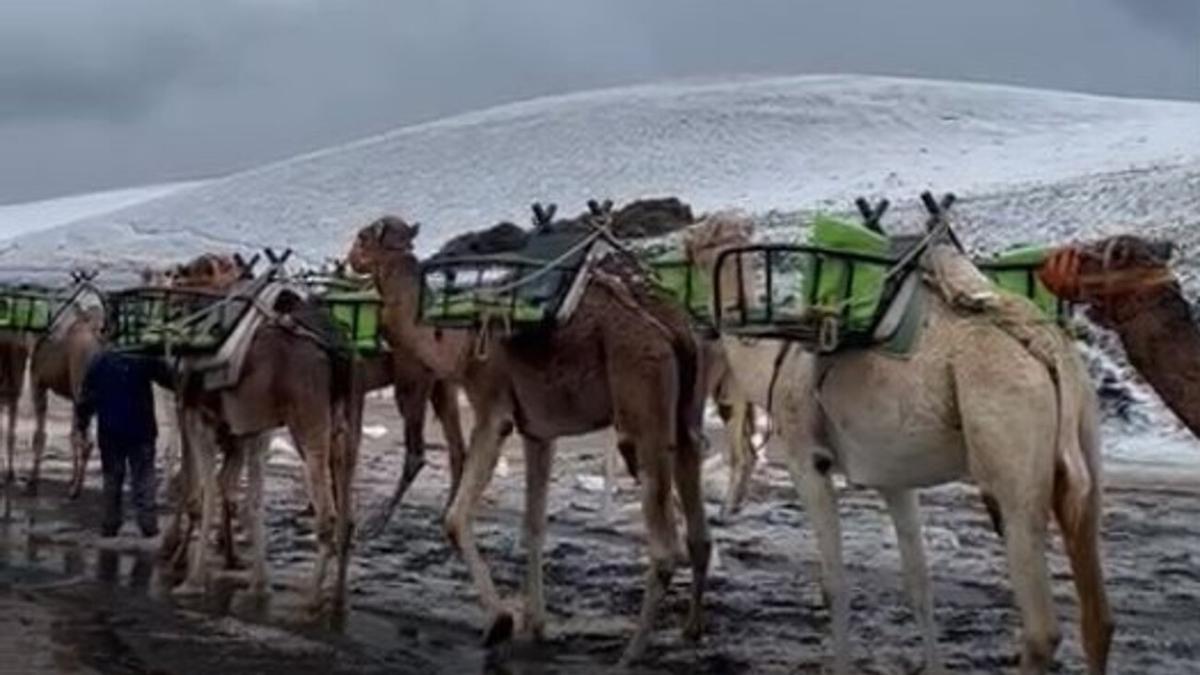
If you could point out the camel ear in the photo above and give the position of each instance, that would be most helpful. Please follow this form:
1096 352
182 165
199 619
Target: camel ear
1162 250
607 206
550 210
414 230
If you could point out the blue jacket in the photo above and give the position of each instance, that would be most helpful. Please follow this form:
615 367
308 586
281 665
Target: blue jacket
117 389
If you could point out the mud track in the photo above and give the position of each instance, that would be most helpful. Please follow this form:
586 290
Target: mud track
74 606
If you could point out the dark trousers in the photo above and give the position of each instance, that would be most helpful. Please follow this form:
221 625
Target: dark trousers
138 459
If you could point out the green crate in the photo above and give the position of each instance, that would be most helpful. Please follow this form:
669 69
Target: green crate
357 314
687 284
183 321
846 286
1015 271
26 310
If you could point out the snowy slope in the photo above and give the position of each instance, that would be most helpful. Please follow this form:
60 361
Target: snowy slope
1028 165
24 218
783 144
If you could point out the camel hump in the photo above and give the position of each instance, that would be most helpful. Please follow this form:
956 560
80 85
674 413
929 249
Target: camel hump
966 289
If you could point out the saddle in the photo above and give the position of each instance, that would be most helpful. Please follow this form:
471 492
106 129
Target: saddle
852 286
532 279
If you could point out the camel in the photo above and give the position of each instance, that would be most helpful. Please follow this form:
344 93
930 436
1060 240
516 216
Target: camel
998 397
737 416
14 358
58 364
640 219
413 385
626 358
1129 288
296 375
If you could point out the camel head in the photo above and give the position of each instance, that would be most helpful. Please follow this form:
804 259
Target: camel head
209 271
1111 275
373 243
159 277
705 240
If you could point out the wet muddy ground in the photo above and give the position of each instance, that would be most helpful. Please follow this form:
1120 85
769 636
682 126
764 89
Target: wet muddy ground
73 604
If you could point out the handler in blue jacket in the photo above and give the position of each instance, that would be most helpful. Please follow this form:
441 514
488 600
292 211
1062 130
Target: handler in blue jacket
117 389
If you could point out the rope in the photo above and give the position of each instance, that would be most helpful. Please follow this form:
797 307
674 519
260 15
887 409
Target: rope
541 271
483 337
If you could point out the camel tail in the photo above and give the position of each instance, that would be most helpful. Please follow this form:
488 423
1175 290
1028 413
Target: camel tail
1077 506
688 410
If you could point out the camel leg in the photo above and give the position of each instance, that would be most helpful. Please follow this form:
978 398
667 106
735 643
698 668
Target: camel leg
174 543
1081 536
1010 433
229 480
256 514
610 484
203 474
491 427
410 402
169 429
739 426
345 462
903 507
10 474
445 405
539 457
40 402
654 466
315 439
820 503
85 457
699 544
1025 544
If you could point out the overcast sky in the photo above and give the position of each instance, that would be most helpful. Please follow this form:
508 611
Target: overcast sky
112 93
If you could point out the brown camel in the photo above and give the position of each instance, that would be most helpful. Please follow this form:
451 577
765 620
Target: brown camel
413 384
14 358
996 395
58 364
626 358
1129 288
296 375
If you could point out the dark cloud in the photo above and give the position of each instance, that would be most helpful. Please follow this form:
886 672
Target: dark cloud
98 93
1179 19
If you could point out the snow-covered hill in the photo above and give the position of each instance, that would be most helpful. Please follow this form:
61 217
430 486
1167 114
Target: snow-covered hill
21 219
1028 166
763 144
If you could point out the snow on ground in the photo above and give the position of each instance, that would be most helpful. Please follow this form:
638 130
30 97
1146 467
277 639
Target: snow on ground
1028 166
21 219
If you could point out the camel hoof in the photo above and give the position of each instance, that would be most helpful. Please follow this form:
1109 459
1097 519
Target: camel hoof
10 478
31 489
73 495
500 631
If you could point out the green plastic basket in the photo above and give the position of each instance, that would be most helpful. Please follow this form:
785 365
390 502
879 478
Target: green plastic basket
27 310
357 314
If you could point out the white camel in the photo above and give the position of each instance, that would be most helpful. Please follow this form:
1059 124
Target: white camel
996 396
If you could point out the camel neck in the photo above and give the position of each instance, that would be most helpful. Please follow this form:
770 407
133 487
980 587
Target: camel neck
1163 344
397 280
